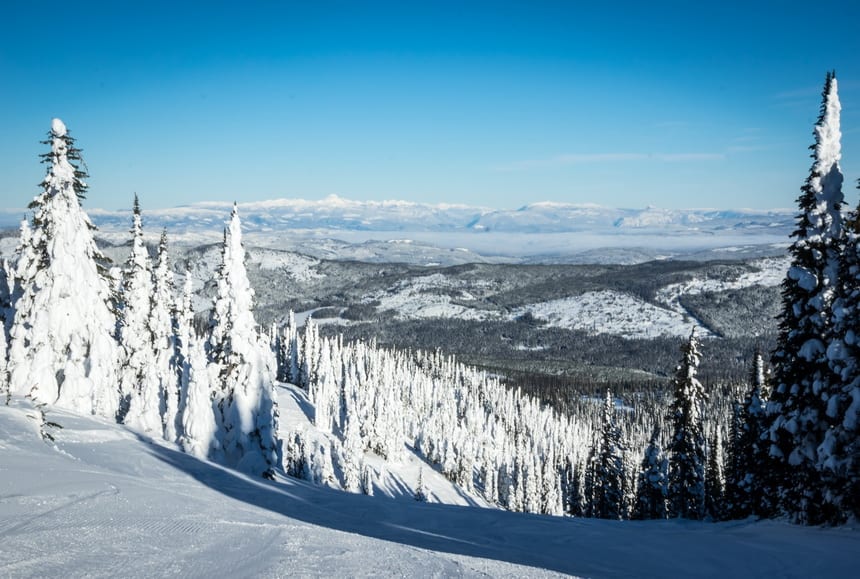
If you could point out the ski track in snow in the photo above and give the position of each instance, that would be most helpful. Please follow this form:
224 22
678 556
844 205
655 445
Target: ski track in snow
114 503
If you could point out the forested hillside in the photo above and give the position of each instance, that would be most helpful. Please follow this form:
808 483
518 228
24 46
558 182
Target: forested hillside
617 441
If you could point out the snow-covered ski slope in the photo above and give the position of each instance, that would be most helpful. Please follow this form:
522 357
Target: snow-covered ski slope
102 501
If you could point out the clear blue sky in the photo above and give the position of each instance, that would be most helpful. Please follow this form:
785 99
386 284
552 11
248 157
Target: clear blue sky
674 104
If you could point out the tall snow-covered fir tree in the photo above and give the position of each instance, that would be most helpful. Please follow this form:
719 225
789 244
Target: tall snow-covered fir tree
803 379
139 380
686 488
248 413
183 332
162 326
609 467
61 341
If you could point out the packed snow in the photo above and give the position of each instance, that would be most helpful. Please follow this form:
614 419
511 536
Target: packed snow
103 501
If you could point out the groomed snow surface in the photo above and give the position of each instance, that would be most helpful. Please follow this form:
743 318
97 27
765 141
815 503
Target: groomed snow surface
103 501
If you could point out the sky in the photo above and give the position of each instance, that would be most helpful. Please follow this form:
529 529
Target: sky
498 104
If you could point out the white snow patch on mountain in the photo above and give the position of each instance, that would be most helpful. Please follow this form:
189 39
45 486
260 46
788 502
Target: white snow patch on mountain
430 296
771 272
612 312
299 267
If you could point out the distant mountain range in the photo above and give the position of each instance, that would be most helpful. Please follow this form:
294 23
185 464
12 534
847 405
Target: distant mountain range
336 213
420 233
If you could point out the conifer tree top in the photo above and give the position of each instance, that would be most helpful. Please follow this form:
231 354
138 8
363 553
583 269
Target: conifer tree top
59 170
58 128
821 198
65 164
827 178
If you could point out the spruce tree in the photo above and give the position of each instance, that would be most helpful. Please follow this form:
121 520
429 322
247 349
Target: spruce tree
61 340
750 458
837 453
6 312
183 333
804 381
162 325
715 484
420 489
686 488
6 315
651 483
609 469
142 398
244 396
4 374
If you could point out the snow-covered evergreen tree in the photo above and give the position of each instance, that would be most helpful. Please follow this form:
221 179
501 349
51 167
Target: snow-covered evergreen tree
183 331
244 388
7 277
162 324
288 351
749 461
321 468
352 450
6 316
420 489
61 341
199 428
804 381
609 473
715 483
837 454
142 397
652 482
367 480
4 374
686 488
